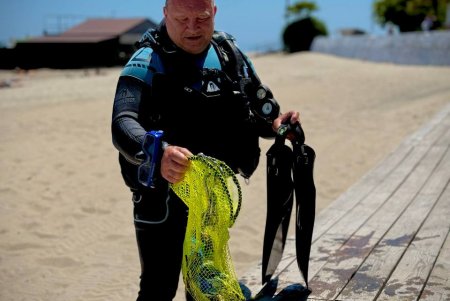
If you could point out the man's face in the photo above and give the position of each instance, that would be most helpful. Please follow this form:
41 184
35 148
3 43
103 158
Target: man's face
190 23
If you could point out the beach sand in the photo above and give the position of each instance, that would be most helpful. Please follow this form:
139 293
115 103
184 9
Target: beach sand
66 228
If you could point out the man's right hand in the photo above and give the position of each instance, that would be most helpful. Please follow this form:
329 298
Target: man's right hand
174 163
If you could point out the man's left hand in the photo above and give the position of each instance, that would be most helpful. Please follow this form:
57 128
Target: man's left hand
291 117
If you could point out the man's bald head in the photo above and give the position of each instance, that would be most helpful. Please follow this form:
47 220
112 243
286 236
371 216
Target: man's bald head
212 2
190 23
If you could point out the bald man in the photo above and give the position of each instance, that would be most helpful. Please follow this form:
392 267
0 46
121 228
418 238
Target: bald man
185 77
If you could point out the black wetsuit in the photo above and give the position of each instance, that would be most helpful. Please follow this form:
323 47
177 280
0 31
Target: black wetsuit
164 88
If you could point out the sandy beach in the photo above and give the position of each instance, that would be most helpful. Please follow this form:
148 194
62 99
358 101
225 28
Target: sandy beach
66 228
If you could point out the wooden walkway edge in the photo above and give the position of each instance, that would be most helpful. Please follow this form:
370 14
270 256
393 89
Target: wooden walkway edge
386 238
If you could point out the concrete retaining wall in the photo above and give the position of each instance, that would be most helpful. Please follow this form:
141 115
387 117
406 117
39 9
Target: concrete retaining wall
416 48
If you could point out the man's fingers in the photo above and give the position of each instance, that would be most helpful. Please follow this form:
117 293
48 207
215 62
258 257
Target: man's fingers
175 163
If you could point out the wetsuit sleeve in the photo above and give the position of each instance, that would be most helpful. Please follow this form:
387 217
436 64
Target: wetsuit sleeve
133 87
127 132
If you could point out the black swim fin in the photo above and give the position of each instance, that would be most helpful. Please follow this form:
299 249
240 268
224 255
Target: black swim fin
288 170
280 196
305 197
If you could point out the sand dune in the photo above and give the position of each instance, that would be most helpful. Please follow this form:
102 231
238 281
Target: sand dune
66 230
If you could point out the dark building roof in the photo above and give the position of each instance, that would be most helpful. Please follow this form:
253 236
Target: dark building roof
98 30
95 42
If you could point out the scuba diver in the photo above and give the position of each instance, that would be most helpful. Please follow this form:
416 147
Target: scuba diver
193 86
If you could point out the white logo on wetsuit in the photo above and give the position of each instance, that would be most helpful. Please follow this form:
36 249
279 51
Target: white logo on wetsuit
212 87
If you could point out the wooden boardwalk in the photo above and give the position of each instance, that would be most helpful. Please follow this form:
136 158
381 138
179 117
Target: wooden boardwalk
387 237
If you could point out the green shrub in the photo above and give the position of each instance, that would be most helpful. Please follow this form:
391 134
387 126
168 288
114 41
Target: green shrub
409 14
299 35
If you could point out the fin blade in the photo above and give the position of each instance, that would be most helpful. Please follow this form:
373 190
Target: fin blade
305 196
280 200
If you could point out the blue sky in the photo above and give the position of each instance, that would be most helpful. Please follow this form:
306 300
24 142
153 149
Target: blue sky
257 24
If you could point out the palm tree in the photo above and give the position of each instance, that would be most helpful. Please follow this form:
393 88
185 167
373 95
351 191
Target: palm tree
286 11
302 8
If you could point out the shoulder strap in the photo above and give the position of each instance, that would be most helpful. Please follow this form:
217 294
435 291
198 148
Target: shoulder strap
158 40
246 78
235 61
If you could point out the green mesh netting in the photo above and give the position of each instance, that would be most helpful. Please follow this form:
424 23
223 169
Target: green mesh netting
212 193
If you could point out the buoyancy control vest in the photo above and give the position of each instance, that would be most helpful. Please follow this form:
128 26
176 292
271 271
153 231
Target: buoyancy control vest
202 101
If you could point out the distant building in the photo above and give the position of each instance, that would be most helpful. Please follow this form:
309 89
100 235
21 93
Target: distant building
351 32
93 43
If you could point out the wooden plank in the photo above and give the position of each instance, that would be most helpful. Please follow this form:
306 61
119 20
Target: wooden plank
331 215
340 208
373 274
390 181
356 193
253 278
442 117
409 278
438 285
331 241
342 264
428 135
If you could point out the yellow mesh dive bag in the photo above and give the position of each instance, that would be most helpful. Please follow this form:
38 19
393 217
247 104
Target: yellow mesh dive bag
212 193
